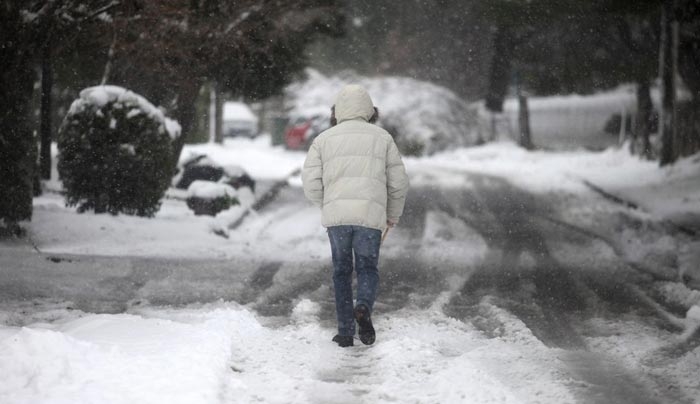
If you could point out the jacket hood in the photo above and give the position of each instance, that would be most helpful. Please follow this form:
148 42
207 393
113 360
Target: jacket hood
353 102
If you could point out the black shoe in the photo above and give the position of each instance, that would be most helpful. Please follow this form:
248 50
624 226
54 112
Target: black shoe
364 320
343 340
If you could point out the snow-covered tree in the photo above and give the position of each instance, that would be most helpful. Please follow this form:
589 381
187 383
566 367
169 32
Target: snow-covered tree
115 149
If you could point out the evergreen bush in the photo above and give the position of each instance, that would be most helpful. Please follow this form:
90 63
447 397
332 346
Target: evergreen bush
210 198
115 152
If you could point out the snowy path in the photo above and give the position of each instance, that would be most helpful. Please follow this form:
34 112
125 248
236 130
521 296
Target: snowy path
485 298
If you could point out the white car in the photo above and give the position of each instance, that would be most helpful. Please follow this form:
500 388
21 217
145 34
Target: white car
239 120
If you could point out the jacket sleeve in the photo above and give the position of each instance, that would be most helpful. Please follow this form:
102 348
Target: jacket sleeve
396 183
312 176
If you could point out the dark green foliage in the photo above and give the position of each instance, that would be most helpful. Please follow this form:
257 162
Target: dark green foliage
111 163
203 206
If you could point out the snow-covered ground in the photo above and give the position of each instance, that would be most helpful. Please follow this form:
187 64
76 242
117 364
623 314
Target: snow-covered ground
176 231
221 352
51 352
670 194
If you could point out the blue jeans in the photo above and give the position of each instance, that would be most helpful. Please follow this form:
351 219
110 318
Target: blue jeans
363 243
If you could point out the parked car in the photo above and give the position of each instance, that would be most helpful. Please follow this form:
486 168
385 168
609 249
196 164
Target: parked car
239 120
302 130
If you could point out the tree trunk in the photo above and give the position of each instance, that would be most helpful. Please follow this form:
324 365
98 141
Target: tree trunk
668 84
186 114
499 76
46 112
17 145
624 130
219 115
107 73
524 123
212 112
645 113
677 140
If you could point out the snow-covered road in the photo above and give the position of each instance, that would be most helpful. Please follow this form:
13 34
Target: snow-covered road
490 293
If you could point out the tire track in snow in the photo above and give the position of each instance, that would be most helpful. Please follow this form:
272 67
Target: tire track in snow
520 270
548 296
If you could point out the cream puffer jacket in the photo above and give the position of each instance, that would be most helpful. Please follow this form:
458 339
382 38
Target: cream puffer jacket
354 170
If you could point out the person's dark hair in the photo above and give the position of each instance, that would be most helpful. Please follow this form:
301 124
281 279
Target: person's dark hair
375 116
334 121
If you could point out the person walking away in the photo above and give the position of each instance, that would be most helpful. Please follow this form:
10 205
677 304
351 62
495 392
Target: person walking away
354 172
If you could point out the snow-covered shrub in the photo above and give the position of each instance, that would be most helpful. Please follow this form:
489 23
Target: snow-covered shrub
115 150
201 167
210 198
423 118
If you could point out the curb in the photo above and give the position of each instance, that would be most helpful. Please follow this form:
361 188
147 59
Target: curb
632 205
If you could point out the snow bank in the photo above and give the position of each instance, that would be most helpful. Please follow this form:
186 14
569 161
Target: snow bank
99 96
416 112
665 192
121 359
668 194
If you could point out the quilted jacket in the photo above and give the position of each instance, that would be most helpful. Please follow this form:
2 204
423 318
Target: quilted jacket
354 170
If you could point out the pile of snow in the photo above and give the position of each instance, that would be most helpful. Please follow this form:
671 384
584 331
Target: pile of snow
99 96
210 190
122 359
423 117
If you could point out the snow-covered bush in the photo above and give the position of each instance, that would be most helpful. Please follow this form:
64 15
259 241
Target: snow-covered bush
210 198
423 118
201 167
115 150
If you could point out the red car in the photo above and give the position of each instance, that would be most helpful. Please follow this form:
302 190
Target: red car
302 131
